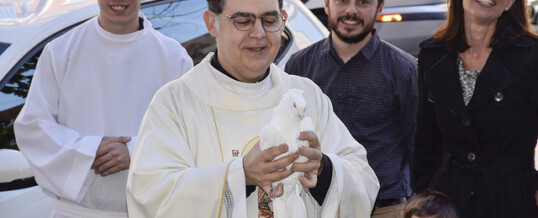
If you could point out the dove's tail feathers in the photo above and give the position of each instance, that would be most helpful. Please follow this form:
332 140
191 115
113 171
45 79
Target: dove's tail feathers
290 204
269 137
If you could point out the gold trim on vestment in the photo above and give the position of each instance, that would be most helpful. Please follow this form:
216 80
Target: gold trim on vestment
250 145
224 189
218 136
222 158
246 149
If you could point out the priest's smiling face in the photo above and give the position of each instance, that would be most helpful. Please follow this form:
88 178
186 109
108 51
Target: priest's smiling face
119 16
246 53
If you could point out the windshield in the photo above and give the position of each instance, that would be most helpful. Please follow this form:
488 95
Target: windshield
399 3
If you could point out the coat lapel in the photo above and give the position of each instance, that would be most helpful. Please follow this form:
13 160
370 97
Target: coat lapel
444 84
492 80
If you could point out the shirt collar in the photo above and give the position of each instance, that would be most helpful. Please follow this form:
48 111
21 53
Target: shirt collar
124 38
140 23
367 51
216 89
327 46
215 63
372 45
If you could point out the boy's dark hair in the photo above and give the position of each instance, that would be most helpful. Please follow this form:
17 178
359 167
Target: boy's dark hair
430 204
216 6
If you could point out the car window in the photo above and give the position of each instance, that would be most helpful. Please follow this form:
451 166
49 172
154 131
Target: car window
181 20
14 88
3 47
399 3
12 98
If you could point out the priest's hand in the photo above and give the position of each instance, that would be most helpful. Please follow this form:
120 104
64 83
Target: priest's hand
261 170
313 166
112 155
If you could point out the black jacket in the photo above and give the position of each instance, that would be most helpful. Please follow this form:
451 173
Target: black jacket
480 155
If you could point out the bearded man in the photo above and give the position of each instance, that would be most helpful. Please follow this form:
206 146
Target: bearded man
373 88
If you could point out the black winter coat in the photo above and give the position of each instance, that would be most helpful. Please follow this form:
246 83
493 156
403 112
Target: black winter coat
480 155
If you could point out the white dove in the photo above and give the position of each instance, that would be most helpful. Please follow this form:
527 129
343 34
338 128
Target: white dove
286 124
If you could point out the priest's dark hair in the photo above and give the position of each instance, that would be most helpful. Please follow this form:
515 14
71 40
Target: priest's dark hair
216 6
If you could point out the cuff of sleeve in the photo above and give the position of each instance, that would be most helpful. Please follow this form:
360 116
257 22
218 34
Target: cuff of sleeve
249 189
324 181
78 179
236 184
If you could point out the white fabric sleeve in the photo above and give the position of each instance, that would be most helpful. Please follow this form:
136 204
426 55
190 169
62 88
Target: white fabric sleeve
164 180
60 157
237 187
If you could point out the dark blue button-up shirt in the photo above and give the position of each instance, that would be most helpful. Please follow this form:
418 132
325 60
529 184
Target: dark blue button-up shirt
375 95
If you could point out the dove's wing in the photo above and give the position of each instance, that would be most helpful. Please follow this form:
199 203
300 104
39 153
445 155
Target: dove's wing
269 137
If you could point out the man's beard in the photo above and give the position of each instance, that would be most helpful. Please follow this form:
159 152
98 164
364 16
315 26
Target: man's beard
351 39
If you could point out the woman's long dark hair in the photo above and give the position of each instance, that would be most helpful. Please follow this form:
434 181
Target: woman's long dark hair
453 32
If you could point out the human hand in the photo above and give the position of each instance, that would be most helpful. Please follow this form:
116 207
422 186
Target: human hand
112 155
261 170
313 166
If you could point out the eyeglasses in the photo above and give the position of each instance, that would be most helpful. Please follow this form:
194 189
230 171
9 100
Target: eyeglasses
271 22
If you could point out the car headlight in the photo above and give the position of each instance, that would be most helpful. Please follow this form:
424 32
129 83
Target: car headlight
390 18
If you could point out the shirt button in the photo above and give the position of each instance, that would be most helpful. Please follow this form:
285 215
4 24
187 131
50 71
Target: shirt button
498 97
471 156
466 122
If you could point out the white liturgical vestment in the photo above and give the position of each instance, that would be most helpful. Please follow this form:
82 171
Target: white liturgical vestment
90 83
188 158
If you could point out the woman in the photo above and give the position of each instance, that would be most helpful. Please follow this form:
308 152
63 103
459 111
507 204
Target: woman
477 122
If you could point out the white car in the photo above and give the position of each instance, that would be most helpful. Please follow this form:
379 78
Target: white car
403 23
26 26
406 23
20 197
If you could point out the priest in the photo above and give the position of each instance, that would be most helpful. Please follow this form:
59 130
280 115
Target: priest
198 154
